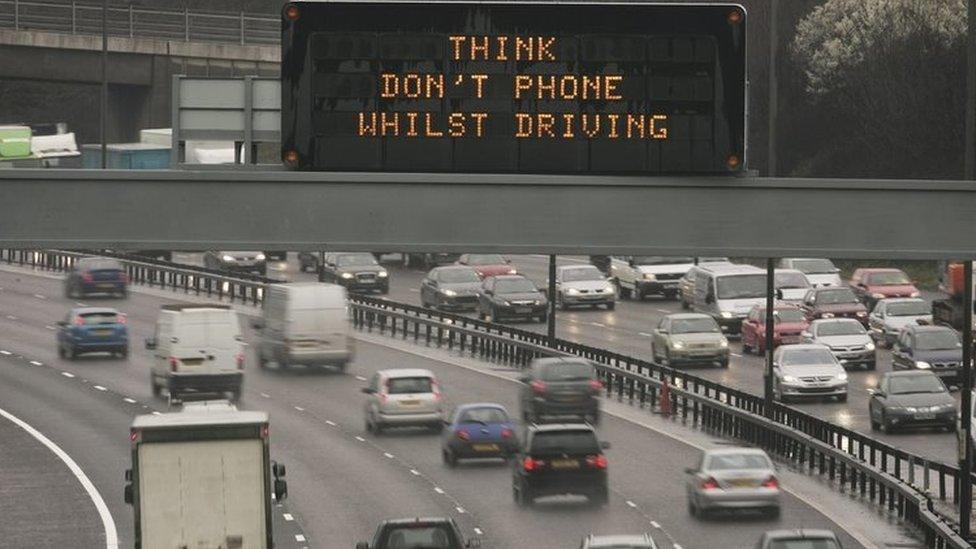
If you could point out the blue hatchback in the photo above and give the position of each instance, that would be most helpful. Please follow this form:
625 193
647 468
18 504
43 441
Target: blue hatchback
93 330
482 430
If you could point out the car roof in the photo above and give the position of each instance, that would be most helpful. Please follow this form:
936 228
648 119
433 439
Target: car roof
800 533
928 328
788 271
901 300
571 267
560 360
472 405
801 347
687 316
734 450
187 306
406 372
909 373
614 540
93 310
819 289
508 277
417 520
547 427
831 320
870 270
780 306
731 268
454 268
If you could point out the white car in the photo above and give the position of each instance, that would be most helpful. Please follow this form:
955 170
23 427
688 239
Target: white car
583 285
819 271
406 397
846 338
791 285
889 316
808 370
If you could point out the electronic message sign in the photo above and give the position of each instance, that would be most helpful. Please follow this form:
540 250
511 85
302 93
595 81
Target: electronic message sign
514 87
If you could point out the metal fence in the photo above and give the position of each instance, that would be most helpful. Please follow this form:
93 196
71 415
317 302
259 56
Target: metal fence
69 17
907 485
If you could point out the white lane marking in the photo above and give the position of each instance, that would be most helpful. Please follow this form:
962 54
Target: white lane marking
129 400
415 290
36 363
287 516
299 408
99 388
39 296
438 489
5 353
80 304
265 395
299 538
736 355
415 472
597 324
108 524
665 311
155 413
330 423
67 374
478 531
361 378
655 524
11 317
676 546
49 327
388 455
631 504
360 439
645 334
460 510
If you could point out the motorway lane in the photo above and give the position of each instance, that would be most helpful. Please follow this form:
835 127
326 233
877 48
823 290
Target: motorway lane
342 485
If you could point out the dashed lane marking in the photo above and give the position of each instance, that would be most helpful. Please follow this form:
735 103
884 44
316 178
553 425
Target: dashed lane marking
361 378
736 355
80 304
645 334
11 317
478 531
155 413
330 423
99 388
360 439
460 510
665 311
39 296
36 363
597 324
265 395
631 504
438 489
287 516
129 400
67 374
415 472
5 353
388 455
415 290
49 327
299 538
655 524
299 408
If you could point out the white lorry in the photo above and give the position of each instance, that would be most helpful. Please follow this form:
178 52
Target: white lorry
203 478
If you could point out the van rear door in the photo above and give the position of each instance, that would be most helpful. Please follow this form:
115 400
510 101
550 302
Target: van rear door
207 341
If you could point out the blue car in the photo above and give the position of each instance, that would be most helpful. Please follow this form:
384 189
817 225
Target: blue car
96 275
93 330
482 430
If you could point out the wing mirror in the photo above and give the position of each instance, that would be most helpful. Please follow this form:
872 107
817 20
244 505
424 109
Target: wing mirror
710 298
150 343
473 543
525 379
779 293
367 390
605 445
362 545
62 323
257 324
280 489
690 470
127 494
278 469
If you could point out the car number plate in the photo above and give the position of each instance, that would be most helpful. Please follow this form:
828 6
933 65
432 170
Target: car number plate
102 332
793 339
925 416
484 447
742 483
565 464
409 402
523 309
106 285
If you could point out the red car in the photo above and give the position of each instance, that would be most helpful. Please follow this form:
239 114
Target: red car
488 264
790 322
871 285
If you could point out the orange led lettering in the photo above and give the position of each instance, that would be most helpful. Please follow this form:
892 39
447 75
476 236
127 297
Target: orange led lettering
412 124
591 132
542 87
478 118
613 125
434 86
635 122
367 127
655 130
610 88
568 118
501 49
476 48
544 52
456 121
591 83
568 87
524 44
523 127
544 125
393 124
522 82
457 41
411 86
391 85
479 81
431 132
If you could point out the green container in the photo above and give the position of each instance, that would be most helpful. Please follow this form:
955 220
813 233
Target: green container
15 142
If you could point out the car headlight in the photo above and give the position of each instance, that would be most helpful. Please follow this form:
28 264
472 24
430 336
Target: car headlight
678 345
724 343
915 294
346 275
506 303
649 276
790 379
922 365
608 290
826 315
842 376
911 409
259 257
538 302
572 291
727 314
227 257
512 272
862 314
878 296
382 274
448 292
869 346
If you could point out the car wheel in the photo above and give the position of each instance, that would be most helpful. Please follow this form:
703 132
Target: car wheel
601 498
124 353
666 360
842 398
60 351
156 389
72 353
692 508
523 495
746 348
235 395
723 363
262 362
611 306
450 459
685 305
625 293
773 513
594 419
437 427
544 318
885 425
874 424
871 366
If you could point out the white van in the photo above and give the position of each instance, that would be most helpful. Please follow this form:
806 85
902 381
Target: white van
197 349
304 323
727 292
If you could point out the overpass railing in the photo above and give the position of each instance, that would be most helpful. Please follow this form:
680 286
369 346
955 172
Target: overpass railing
919 491
70 17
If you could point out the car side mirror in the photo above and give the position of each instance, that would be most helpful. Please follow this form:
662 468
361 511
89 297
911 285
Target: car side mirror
432 283
779 293
525 379
710 298
362 545
257 324
473 543
150 343
605 445
447 422
489 292
367 390
280 489
278 469
806 335
690 470
62 323
127 494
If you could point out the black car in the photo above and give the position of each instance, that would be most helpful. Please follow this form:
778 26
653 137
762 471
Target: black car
453 288
911 398
429 259
934 348
560 459
560 387
440 533
308 261
277 255
237 261
96 275
511 296
355 271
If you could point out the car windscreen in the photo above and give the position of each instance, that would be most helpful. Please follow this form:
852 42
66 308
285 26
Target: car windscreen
787 281
814 266
893 278
483 415
573 442
356 260
458 276
420 536
486 259
937 340
729 462
840 328
833 297
803 544
582 273
404 385
783 315
693 325
90 319
99 265
900 385
741 286
514 286
908 308
568 371
800 357
659 260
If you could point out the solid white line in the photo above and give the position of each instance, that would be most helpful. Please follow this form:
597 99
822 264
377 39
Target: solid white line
330 423
287 516
265 395
99 388
736 355
299 537
645 334
108 524
129 400
67 374
438 489
299 408
36 363
360 439
663 311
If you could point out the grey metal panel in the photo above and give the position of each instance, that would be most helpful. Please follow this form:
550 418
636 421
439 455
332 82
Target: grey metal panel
507 213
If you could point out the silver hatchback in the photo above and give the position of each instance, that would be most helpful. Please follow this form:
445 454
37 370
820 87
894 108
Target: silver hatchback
403 398
732 479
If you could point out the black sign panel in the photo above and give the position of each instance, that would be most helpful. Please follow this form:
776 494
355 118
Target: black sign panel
506 87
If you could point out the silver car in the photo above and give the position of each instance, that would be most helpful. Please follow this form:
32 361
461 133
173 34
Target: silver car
733 479
846 338
618 541
807 370
889 316
583 285
403 398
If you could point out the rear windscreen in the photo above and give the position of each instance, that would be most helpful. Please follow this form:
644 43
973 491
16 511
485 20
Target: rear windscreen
575 442
403 385
421 536
804 544
100 265
99 318
568 371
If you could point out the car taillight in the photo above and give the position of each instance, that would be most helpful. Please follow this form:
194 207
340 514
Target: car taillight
123 277
709 484
598 461
463 434
507 433
79 321
174 363
239 357
532 464
122 319
771 482
538 386
382 396
87 276
596 385
436 389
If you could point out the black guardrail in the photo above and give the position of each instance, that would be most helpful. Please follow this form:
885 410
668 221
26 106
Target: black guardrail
858 464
